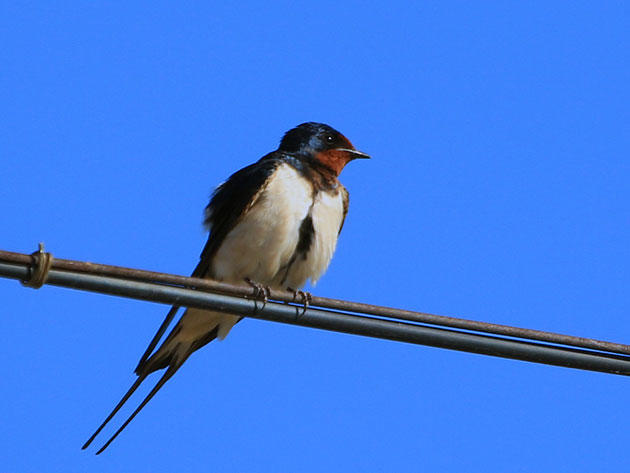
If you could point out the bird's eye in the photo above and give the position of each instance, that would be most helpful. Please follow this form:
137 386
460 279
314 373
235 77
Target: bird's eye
330 139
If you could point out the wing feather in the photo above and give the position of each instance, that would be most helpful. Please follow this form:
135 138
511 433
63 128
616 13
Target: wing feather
346 205
229 202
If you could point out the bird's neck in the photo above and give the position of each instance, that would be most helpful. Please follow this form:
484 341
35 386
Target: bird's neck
322 176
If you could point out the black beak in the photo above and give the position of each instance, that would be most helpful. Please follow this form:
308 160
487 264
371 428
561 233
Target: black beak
355 154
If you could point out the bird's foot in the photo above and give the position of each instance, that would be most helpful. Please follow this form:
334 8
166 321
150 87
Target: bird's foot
305 298
261 292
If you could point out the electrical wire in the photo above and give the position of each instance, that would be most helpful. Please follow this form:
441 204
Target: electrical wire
328 314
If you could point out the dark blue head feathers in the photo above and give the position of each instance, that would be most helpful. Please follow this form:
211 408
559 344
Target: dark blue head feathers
313 137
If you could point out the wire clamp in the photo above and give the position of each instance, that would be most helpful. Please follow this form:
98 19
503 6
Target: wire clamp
42 262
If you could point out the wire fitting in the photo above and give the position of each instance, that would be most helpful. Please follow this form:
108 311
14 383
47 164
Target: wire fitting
42 262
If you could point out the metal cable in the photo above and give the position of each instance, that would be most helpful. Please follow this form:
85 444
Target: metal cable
323 302
364 323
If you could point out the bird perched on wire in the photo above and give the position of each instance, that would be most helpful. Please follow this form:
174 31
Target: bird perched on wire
274 224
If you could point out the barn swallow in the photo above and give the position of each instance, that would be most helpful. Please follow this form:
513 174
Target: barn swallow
275 223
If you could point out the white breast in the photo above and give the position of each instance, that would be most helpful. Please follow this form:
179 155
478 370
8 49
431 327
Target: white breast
327 214
262 245
266 237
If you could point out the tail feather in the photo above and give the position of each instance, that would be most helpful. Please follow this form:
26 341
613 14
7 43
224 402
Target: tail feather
164 355
174 359
173 350
156 338
167 375
116 409
194 330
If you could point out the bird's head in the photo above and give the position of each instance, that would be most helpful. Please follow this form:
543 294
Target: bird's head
320 144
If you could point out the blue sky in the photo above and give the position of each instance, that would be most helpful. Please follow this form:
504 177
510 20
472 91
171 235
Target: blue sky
498 190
